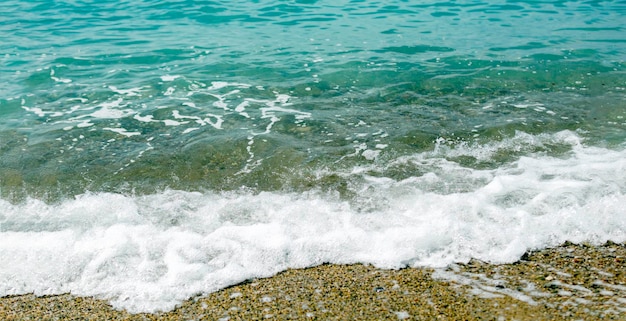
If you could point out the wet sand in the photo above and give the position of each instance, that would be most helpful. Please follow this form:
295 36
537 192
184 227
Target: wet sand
566 283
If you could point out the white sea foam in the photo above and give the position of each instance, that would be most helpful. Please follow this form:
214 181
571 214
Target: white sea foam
111 110
148 253
168 78
122 131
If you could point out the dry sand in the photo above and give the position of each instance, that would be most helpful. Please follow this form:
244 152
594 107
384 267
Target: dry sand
571 282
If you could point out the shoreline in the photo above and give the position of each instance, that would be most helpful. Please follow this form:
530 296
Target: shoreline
572 281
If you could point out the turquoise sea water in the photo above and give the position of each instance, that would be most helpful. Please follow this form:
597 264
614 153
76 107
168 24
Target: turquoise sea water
193 117
143 95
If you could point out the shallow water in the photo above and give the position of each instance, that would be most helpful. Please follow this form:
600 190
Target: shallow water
145 146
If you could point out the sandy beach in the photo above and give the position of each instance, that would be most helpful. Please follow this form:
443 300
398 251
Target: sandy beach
571 282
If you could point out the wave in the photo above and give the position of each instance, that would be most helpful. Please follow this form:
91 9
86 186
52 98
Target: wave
147 253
